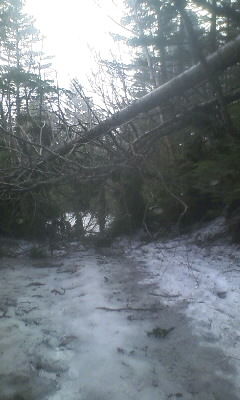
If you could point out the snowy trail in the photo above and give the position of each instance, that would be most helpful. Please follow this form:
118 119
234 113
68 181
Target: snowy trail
60 337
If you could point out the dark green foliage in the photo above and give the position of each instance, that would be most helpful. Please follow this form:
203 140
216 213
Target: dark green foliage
127 204
27 215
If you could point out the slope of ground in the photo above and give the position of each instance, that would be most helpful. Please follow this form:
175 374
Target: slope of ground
153 321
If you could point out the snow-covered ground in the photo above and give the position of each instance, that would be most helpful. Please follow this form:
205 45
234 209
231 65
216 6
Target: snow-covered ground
138 321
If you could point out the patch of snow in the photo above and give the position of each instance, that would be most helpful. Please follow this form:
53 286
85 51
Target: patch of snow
81 326
204 278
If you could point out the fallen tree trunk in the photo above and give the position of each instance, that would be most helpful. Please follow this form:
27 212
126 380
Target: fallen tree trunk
225 57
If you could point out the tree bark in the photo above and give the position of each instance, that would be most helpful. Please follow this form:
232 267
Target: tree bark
213 28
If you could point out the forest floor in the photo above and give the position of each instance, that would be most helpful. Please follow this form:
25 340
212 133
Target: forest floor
137 321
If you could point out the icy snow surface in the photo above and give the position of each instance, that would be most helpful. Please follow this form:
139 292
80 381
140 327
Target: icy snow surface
138 321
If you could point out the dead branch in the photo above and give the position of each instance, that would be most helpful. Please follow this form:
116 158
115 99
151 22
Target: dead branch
153 309
55 291
165 295
231 270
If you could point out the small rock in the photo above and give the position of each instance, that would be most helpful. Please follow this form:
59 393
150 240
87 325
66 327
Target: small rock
120 350
222 295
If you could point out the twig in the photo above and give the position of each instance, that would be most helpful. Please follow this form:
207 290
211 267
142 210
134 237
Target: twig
231 270
31 309
36 284
190 268
234 358
165 295
55 291
128 309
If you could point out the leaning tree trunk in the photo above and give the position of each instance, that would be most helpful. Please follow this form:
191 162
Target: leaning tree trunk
226 56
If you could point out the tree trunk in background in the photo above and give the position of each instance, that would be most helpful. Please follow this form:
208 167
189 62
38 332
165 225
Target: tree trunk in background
223 11
213 28
153 76
213 80
78 227
101 215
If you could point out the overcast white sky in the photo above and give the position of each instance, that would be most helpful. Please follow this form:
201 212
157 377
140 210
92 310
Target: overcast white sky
71 27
